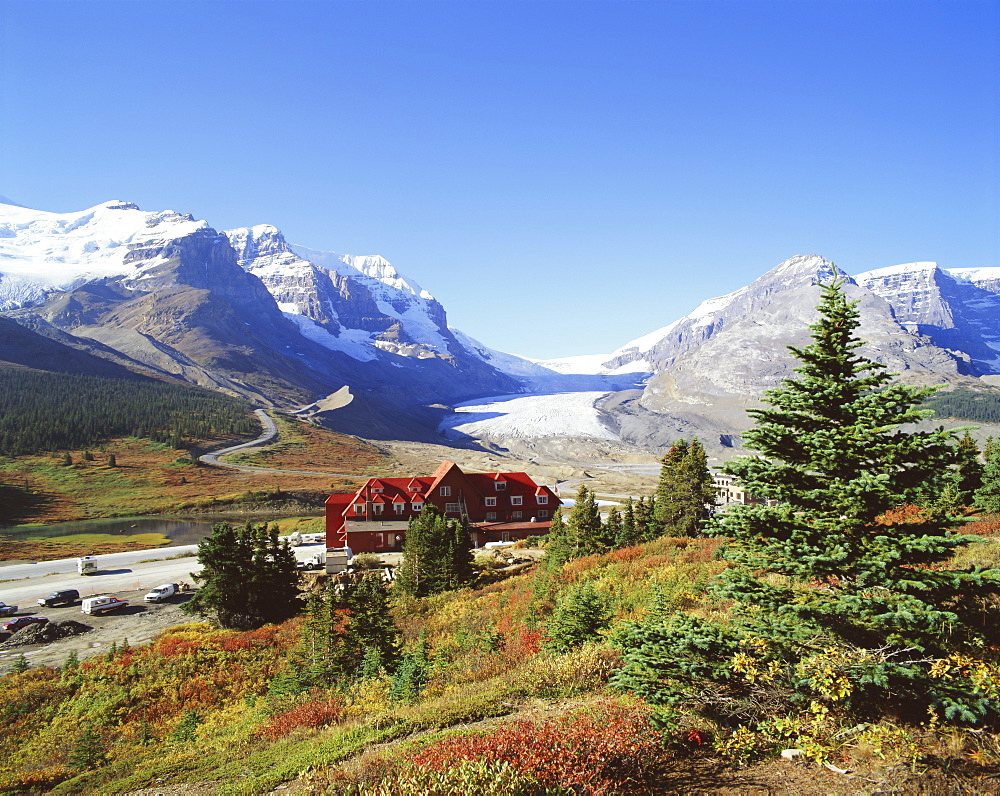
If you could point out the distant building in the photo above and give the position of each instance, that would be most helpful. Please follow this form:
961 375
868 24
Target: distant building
729 491
500 507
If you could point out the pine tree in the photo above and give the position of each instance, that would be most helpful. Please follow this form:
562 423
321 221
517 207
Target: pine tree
585 525
670 492
613 528
629 535
685 493
248 579
987 497
88 752
646 525
826 571
580 615
437 554
411 674
968 478
561 544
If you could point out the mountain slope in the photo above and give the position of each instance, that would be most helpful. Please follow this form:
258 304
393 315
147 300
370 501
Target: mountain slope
175 296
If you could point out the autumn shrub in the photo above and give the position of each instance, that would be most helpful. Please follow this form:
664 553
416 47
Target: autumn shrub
465 777
553 675
610 747
320 711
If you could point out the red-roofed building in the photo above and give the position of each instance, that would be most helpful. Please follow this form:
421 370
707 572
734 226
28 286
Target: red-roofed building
500 507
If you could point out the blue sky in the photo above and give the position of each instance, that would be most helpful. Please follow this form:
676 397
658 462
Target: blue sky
562 176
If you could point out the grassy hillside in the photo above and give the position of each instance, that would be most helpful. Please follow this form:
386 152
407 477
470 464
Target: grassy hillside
155 478
495 709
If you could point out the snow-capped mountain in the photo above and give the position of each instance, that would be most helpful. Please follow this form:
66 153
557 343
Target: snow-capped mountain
704 370
358 305
239 311
955 309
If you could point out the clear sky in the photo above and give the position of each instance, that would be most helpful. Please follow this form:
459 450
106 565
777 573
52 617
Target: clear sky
563 176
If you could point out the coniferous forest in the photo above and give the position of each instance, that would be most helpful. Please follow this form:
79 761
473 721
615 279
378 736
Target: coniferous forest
45 411
981 406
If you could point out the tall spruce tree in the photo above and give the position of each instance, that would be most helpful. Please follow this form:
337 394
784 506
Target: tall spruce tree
987 496
968 477
437 554
248 578
825 577
586 526
685 493
670 492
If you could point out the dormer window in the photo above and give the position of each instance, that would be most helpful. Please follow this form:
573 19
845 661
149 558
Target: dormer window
378 490
417 506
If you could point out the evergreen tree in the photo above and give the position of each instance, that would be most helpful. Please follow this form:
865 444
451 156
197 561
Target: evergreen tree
248 579
670 491
561 544
585 525
827 574
437 554
987 497
685 493
580 615
630 535
88 752
411 674
646 525
613 528
968 477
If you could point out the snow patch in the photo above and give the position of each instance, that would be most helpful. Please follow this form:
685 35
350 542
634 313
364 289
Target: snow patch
572 414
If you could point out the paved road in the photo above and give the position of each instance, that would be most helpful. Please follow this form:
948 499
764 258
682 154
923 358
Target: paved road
22 584
269 435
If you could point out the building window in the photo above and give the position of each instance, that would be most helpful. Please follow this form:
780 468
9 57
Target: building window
359 508
399 507
501 486
491 516
543 514
515 500
515 515
378 490
452 508
379 541
542 500
377 508
445 491
491 501
417 506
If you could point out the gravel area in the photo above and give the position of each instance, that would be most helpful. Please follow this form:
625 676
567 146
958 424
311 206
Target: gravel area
49 645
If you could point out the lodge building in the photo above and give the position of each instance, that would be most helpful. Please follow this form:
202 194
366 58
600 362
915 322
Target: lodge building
499 507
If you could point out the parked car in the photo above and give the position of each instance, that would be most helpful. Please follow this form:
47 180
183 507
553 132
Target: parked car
102 605
64 597
23 621
161 593
7 610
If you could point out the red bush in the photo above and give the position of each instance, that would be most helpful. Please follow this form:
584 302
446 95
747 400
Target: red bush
315 713
610 748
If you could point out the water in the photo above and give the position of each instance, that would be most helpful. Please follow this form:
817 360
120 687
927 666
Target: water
180 531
